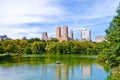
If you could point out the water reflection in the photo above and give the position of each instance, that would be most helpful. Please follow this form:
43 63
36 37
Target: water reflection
58 72
64 71
86 71
44 68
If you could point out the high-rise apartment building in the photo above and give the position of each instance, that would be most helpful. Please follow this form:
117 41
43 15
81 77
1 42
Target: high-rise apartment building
64 36
65 31
86 35
58 32
71 34
44 36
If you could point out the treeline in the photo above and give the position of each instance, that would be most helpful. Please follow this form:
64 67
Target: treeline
36 46
110 49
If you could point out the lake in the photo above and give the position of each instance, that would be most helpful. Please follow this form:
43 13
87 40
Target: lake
45 68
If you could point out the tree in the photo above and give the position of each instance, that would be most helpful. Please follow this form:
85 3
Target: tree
54 40
38 47
28 50
112 53
113 32
1 50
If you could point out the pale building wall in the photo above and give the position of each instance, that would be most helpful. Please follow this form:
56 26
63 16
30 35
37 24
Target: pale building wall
71 34
44 36
58 32
86 35
99 38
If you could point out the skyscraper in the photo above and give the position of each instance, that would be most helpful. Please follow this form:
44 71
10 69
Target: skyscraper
58 32
65 33
71 34
86 35
64 36
44 36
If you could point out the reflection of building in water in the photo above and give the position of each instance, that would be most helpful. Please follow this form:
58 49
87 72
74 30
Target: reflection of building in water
65 72
62 72
44 69
71 69
58 73
99 67
86 71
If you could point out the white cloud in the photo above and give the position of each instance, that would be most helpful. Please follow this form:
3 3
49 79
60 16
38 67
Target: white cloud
15 13
19 32
27 11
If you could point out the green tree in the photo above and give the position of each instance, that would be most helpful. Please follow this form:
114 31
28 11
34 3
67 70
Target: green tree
51 47
112 52
28 50
38 47
113 32
54 40
1 50
10 47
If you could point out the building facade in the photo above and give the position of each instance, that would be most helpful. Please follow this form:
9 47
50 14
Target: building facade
71 34
3 37
99 38
45 36
64 36
86 35
58 32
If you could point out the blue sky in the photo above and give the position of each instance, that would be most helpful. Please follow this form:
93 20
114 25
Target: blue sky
30 18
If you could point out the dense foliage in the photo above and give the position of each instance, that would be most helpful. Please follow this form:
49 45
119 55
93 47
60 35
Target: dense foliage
110 50
71 47
35 46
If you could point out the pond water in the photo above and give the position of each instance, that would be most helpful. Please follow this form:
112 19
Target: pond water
45 68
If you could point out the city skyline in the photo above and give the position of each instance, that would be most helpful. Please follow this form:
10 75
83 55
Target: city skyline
19 18
63 34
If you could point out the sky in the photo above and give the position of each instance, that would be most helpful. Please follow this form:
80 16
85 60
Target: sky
29 18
